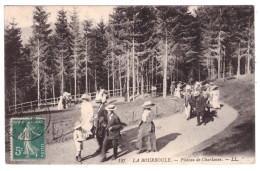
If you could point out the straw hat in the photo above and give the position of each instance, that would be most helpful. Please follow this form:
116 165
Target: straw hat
196 93
111 107
188 87
85 97
77 125
147 104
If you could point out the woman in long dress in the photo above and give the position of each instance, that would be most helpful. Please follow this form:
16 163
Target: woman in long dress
147 129
26 136
60 107
87 115
187 99
214 97
177 92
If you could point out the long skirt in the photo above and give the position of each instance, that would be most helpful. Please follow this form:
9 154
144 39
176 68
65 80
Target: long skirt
145 135
187 111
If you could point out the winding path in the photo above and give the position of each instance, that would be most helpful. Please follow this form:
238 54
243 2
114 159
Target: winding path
174 135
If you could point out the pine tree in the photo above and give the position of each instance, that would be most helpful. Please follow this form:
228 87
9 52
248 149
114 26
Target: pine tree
87 24
13 70
75 60
62 38
39 50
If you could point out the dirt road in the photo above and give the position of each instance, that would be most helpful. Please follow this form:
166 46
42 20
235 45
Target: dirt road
174 135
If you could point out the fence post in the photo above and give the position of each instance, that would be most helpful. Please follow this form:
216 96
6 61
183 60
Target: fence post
133 116
53 131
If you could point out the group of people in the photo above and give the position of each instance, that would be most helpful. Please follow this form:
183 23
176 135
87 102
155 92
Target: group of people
64 101
199 100
106 127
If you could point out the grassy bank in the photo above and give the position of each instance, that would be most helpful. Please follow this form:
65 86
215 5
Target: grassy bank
239 137
62 123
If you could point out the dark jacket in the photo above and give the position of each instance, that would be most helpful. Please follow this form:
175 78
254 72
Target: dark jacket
116 126
200 103
101 121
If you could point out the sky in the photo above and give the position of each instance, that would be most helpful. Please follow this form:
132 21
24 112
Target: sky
23 14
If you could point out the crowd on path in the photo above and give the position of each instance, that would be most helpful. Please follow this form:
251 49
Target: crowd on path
105 125
199 99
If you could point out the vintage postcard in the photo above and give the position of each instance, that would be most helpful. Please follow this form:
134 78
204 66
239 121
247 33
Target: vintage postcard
129 85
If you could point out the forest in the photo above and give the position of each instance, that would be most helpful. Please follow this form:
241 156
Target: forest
140 46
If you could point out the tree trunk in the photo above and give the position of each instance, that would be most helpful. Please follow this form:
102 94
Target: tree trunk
75 75
38 74
248 55
224 64
128 77
108 81
53 88
113 69
230 68
165 69
147 82
120 79
142 81
152 69
86 63
137 75
62 73
238 62
95 79
133 58
219 54
15 90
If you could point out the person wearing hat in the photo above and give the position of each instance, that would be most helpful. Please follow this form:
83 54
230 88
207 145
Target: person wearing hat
199 106
147 129
177 92
78 140
101 121
87 115
187 100
112 132
214 97
172 88
60 106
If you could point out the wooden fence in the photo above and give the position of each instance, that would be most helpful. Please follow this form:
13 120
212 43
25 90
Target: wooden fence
43 103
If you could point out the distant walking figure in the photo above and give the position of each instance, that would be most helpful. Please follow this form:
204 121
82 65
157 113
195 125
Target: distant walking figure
199 106
187 100
214 97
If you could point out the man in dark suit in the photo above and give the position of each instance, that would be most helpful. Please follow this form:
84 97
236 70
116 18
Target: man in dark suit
101 122
112 132
199 106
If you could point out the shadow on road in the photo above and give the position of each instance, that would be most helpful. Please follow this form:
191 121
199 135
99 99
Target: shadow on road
129 139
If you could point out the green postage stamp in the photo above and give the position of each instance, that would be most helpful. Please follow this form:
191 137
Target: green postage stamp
27 140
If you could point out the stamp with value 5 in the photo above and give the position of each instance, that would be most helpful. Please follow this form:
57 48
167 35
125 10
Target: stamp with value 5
27 139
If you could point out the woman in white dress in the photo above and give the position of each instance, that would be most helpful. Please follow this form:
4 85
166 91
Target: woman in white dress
87 115
187 99
177 92
214 97
60 107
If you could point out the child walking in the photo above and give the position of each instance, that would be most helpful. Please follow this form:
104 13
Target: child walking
78 139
